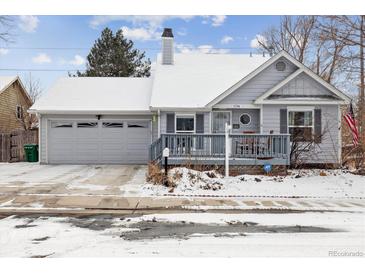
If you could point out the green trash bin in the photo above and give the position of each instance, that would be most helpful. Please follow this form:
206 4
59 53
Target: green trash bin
31 152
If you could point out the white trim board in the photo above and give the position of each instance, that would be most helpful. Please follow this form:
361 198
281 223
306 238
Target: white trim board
304 102
236 106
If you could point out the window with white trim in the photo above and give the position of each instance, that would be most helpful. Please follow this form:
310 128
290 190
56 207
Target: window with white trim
185 122
19 112
301 126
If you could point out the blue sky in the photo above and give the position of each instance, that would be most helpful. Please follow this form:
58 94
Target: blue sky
73 36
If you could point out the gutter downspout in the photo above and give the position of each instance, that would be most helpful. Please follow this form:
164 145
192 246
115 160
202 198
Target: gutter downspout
159 123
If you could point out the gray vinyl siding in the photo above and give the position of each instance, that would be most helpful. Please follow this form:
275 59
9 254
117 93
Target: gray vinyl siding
45 121
255 120
206 122
302 85
324 152
163 121
255 87
155 128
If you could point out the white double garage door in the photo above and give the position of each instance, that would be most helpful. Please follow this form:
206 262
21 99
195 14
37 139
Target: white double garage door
98 141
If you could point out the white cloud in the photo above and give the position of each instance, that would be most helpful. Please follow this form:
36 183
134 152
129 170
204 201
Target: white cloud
4 51
255 42
184 48
41 58
226 39
218 20
211 49
144 28
153 21
214 20
77 61
188 48
143 34
28 23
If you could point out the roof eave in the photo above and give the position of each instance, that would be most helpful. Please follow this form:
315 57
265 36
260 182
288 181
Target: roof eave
93 112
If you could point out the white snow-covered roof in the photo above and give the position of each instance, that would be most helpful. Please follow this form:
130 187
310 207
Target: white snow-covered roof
195 79
5 81
96 94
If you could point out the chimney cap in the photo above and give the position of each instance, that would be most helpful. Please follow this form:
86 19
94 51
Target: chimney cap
167 32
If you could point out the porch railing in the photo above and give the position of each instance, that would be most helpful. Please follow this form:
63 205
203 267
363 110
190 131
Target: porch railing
256 146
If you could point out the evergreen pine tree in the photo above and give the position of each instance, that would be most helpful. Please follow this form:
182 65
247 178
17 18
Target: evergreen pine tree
114 56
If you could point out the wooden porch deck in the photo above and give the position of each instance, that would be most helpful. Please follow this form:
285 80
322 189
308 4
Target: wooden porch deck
209 149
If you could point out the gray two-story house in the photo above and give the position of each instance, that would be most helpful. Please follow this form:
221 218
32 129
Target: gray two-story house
271 103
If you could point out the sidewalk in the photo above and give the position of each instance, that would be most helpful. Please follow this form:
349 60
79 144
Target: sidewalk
53 203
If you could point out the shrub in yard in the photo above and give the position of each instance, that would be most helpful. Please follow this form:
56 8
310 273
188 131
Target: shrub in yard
322 173
211 174
157 176
177 175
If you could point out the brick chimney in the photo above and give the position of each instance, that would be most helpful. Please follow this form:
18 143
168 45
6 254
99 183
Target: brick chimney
167 47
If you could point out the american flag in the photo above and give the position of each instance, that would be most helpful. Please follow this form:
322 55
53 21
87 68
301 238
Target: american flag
350 120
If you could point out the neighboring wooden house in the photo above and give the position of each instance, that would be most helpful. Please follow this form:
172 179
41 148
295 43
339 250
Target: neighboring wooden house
14 103
185 104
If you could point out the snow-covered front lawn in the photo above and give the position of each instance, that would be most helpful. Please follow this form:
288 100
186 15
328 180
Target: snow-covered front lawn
299 183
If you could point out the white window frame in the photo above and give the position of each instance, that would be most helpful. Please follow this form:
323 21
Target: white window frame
185 115
300 109
212 118
245 113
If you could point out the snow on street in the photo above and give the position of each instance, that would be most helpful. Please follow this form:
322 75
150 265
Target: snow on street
190 234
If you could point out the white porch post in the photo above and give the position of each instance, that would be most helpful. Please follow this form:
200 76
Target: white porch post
227 148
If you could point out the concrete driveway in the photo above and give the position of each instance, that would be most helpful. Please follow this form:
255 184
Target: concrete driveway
71 179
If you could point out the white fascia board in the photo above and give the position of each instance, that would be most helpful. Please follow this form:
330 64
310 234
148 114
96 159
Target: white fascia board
236 106
245 79
304 102
300 108
260 100
174 109
96 112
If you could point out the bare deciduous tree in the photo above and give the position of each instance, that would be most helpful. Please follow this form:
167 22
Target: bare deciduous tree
6 26
302 37
350 30
33 87
292 35
34 90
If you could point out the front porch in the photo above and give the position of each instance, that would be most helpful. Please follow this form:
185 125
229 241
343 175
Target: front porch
209 149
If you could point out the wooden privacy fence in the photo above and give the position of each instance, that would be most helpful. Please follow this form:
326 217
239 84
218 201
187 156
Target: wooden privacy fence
11 145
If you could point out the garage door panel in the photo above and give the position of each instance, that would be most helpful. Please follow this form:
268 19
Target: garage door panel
117 141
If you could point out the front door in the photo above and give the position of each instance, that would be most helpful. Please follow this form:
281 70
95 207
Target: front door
219 120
